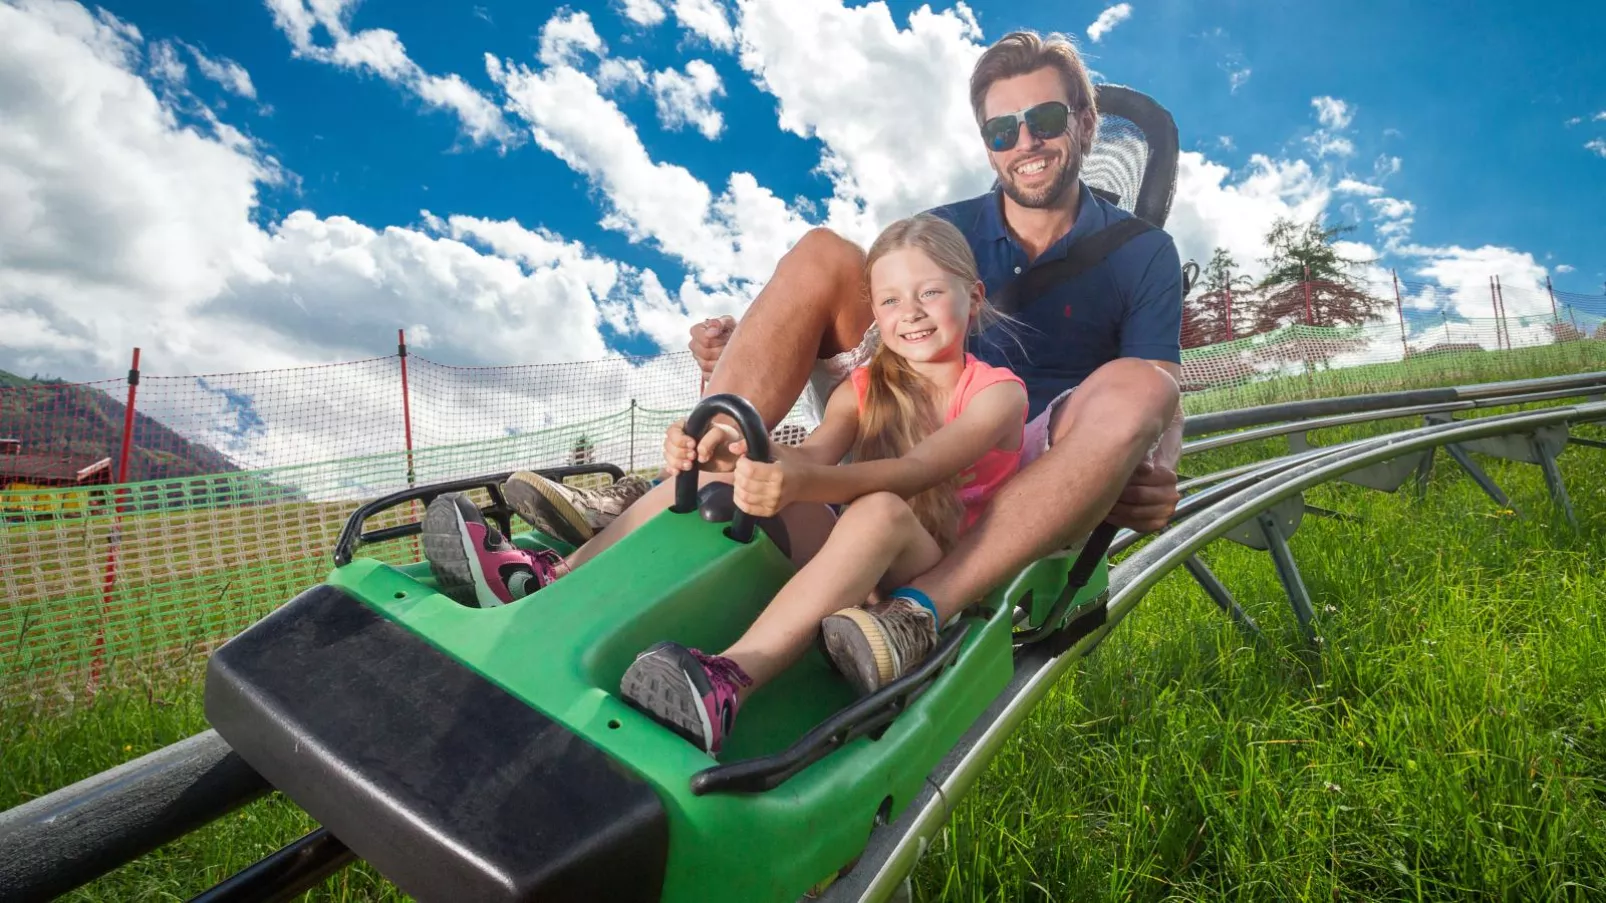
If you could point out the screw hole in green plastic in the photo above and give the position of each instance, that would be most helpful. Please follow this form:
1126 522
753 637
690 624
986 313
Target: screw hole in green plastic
614 724
401 595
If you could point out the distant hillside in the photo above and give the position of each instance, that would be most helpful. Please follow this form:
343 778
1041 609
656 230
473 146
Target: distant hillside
53 416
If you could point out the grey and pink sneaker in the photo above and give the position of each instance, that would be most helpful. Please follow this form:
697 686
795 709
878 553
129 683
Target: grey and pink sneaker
473 563
690 692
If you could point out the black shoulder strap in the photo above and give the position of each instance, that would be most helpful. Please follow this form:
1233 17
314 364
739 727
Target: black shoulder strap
1083 254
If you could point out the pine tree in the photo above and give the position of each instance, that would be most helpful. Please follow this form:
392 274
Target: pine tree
1301 252
584 451
1204 315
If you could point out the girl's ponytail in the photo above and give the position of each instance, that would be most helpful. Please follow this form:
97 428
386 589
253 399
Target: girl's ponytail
898 414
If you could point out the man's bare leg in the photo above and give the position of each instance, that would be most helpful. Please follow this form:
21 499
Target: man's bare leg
813 307
1100 435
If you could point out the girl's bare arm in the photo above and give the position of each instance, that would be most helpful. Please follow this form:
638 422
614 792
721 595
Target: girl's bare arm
990 420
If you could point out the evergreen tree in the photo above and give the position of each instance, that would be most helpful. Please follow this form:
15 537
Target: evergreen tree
1204 315
584 451
1337 297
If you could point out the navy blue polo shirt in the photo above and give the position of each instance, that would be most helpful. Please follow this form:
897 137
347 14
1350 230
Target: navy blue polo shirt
1130 306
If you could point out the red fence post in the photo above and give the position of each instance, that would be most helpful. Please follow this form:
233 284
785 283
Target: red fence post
407 405
407 427
109 577
1309 321
128 420
1400 307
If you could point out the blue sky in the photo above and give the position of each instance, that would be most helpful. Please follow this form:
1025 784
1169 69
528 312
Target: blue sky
567 220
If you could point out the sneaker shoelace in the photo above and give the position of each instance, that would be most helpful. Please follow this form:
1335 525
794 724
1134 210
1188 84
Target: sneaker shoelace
618 489
910 627
721 668
549 565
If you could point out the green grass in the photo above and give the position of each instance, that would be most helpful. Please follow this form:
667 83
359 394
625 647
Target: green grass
1447 743
1414 373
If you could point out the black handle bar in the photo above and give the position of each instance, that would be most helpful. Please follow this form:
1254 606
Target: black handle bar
758 448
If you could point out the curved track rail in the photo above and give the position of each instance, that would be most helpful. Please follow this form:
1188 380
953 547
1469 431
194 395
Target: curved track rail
65 839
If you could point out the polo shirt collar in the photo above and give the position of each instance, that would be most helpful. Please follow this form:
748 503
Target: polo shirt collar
1090 217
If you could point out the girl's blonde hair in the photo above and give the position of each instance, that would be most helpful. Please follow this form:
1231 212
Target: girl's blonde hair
898 408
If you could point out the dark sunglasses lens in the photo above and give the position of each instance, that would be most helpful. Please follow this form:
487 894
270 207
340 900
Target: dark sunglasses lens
1047 120
1001 132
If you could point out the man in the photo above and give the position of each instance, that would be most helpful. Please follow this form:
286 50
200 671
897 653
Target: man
1099 351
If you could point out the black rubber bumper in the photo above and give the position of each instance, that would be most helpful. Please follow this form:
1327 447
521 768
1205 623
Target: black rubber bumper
453 788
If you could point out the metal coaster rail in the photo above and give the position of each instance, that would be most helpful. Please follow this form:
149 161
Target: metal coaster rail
65 839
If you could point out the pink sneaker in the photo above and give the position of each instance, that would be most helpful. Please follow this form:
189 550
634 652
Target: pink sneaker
687 691
471 560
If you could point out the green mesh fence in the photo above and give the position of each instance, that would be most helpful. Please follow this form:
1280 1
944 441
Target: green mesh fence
111 581
101 583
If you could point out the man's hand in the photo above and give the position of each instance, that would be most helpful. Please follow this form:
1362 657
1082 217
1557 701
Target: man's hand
708 340
1149 499
718 451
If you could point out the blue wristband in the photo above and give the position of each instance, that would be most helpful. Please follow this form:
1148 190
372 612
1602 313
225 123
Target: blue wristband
914 595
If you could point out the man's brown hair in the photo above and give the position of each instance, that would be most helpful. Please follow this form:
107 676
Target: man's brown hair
1020 52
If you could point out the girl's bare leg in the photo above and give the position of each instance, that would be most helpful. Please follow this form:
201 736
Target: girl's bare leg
878 542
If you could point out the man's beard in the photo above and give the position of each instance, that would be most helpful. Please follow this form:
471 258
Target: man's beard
1050 194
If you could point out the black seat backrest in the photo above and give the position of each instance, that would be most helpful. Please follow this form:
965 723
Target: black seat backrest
1133 163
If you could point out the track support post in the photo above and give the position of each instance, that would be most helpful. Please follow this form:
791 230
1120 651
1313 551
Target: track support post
1558 489
1460 456
1288 572
1219 593
1424 473
1538 447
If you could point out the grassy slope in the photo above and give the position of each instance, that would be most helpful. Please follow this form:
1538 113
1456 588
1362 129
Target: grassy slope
1447 744
1416 373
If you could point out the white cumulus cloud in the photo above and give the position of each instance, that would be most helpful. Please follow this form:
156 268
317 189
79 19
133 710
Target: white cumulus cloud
1332 112
1212 210
687 98
734 236
644 12
226 72
707 19
1351 186
119 226
1107 21
908 144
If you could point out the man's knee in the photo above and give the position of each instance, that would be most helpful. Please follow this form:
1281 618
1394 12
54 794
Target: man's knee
823 249
824 272
1126 397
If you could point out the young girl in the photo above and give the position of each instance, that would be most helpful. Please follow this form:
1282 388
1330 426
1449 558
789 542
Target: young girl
933 432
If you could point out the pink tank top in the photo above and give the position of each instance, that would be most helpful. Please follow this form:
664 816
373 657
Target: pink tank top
981 480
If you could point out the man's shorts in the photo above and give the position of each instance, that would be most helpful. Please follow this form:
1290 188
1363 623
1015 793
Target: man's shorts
829 372
1039 430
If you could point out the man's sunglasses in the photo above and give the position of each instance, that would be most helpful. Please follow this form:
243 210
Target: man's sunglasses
1046 120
